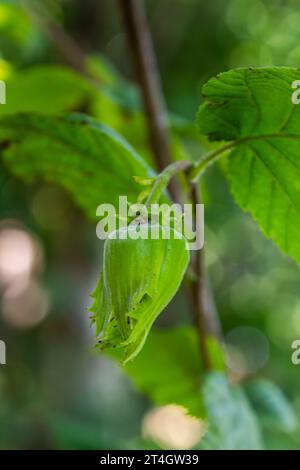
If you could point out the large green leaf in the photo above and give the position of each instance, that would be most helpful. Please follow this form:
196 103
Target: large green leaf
91 161
253 107
168 369
46 89
232 424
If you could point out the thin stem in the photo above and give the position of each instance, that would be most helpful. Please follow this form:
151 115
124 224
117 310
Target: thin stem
65 44
208 159
140 43
206 316
164 178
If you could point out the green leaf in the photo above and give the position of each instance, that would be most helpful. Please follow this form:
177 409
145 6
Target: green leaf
272 407
91 161
253 108
47 89
168 369
232 424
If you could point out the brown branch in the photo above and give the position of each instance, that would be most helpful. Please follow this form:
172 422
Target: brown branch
205 314
64 43
69 49
140 43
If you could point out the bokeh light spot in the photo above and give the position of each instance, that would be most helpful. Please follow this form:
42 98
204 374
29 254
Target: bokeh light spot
171 428
246 350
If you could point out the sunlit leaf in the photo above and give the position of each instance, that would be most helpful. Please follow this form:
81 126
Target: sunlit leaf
47 89
254 108
91 161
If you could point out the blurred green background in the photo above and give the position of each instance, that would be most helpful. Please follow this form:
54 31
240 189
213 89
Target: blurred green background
54 392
